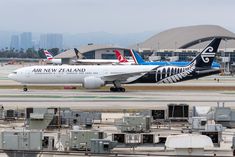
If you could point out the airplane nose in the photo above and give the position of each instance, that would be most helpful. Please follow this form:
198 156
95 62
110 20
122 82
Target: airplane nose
11 76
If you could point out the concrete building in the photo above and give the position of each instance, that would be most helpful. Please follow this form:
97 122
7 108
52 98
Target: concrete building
51 40
43 41
14 42
26 40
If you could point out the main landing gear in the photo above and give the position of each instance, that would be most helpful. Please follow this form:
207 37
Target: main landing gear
117 87
25 89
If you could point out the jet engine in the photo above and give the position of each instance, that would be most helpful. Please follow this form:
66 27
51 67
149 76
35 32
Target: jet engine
93 82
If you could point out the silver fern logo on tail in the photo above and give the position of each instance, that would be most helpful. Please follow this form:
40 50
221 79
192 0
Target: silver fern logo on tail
206 56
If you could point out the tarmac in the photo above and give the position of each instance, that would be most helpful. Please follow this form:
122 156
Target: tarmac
104 100
209 91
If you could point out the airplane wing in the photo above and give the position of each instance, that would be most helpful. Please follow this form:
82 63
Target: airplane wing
124 76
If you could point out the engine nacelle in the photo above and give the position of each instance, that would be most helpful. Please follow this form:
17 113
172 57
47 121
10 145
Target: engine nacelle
93 82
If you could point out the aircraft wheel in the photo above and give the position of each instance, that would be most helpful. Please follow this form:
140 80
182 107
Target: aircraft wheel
25 89
118 89
115 89
112 89
121 89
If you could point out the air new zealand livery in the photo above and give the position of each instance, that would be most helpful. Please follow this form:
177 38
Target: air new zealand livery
200 66
96 76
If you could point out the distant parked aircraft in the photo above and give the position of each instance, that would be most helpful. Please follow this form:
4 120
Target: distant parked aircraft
120 59
51 59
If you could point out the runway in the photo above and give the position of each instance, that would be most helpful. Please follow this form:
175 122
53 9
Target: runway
104 100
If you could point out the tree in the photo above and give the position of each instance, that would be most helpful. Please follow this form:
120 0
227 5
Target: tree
54 51
41 53
31 53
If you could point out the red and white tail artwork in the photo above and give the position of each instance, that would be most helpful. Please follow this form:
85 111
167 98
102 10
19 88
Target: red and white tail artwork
120 58
48 55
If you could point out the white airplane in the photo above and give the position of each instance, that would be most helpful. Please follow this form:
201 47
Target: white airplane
95 76
120 59
51 59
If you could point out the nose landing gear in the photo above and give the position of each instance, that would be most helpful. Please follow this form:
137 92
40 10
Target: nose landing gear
25 89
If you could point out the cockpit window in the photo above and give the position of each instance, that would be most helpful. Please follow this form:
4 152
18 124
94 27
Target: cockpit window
14 72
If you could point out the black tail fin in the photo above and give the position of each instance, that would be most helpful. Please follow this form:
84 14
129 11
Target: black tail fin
206 57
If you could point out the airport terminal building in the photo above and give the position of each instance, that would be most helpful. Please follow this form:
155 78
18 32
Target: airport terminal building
183 43
177 44
92 51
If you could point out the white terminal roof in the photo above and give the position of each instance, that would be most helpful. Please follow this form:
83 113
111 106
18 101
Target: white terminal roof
187 37
188 141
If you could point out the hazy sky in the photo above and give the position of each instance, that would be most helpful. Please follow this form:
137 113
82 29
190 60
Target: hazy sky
114 16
